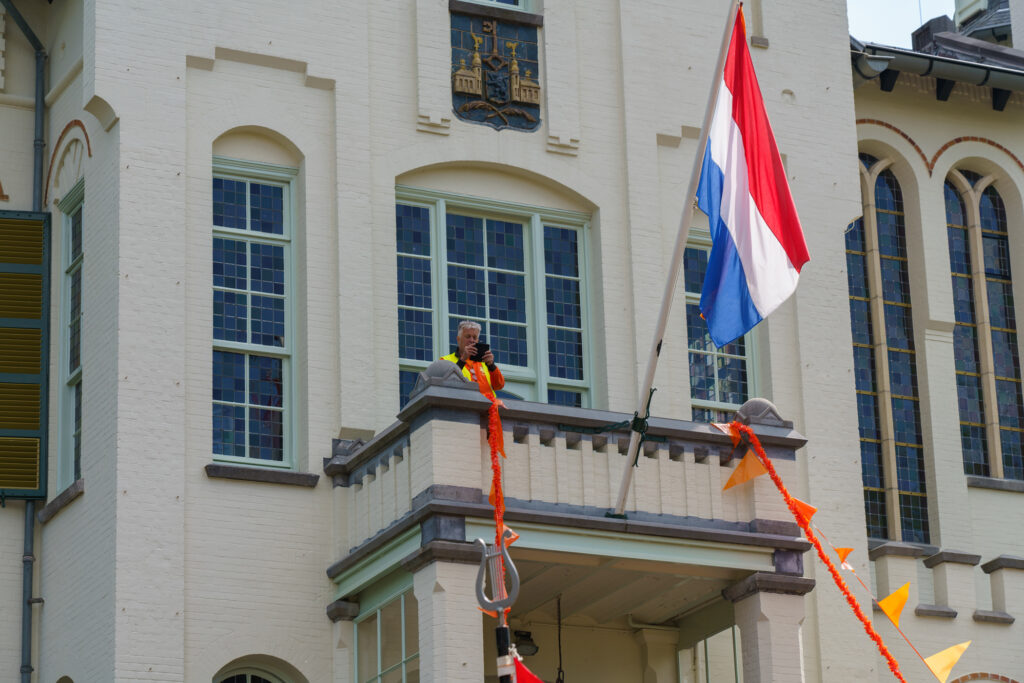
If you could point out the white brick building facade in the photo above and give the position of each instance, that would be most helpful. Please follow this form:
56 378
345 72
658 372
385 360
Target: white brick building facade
172 564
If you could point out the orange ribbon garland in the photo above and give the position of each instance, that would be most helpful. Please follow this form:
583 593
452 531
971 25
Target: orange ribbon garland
794 507
496 440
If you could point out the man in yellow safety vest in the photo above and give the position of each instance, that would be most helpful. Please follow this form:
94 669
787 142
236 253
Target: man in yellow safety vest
466 339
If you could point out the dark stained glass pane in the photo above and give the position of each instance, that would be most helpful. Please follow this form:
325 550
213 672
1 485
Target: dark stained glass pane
508 344
914 518
561 252
507 296
465 238
414 287
505 246
1013 455
955 212
561 397
875 514
415 334
888 196
266 208
412 229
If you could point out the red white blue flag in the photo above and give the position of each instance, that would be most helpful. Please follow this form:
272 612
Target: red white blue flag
758 246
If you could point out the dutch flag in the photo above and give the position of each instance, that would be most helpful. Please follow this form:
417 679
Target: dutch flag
758 246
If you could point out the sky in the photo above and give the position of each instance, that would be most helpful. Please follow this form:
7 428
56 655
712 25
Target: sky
890 22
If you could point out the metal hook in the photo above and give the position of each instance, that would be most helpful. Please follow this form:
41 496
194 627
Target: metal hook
492 560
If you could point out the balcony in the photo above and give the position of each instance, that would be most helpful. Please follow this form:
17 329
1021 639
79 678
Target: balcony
685 556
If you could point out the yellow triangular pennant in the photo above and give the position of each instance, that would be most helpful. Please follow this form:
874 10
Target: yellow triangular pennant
942 663
805 509
748 468
893 604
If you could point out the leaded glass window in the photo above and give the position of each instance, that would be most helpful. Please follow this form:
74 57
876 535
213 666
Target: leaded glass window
518 272
719 377
885 368
69 462
980 266
251 318
387 643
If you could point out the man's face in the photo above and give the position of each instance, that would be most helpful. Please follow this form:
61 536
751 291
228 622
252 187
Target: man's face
467 336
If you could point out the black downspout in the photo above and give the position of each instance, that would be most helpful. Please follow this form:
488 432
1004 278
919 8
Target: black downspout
28 558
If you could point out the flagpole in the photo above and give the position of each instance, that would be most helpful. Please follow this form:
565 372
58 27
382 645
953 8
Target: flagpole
672 282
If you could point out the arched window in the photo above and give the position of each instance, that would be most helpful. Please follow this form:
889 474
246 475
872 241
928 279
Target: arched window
252 312
888 406
519 271
251 676
985 338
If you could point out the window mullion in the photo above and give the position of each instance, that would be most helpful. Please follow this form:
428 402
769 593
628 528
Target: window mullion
537 316
439 234
879 342
983 329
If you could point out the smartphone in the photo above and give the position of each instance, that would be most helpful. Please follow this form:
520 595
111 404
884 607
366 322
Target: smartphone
481 349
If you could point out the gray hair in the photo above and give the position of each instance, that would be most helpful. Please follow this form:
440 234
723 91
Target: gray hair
468 325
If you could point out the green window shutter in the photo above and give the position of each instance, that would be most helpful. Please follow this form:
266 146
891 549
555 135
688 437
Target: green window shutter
24 358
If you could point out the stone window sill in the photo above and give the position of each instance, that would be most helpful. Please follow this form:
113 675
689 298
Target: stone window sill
997 484
266 476
61 501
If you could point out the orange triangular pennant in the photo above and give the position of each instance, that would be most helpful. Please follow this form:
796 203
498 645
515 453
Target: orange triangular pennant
805 509
511 539
843 553
749 468
727 428
942 663
893 604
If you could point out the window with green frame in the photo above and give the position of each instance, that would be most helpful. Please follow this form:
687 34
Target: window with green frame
885 363
720 378
252 319
518 271
387 642
985 344
69 453
252 676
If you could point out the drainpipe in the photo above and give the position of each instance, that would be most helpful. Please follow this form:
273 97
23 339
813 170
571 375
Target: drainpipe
28 558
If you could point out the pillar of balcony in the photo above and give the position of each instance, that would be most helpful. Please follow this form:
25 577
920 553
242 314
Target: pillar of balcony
769 611
451 637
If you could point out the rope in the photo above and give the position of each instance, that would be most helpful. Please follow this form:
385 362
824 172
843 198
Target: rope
755 443
637 424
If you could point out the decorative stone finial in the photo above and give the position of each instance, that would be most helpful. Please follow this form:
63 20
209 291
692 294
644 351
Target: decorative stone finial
441 373
761 411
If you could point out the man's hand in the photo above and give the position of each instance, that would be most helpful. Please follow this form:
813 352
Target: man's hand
468 352
489 359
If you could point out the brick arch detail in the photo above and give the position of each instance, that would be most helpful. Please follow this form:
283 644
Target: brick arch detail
930 165
74 123
980 676
917 148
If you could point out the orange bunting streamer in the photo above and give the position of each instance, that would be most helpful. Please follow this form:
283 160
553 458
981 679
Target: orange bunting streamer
941 663
496 440
894 666
893 604
806 509
843 553
749 468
